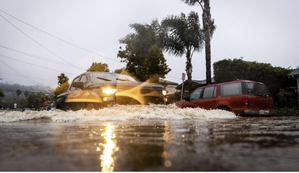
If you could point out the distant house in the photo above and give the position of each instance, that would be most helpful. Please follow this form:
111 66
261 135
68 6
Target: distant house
169 86
294 73
194 84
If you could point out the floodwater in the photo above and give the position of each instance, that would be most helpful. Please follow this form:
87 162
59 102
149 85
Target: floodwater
147 138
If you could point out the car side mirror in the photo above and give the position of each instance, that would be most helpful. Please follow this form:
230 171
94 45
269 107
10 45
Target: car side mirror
187 98
78 85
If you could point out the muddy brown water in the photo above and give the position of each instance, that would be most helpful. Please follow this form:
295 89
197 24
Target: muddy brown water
239 144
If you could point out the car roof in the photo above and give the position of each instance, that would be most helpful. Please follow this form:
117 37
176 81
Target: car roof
229 82
99 72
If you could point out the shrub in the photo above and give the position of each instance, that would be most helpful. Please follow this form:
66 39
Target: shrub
288 111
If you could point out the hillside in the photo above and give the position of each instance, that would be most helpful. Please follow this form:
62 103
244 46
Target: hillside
9 91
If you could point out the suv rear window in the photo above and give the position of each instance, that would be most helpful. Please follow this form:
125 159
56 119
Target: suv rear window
256 89
231 89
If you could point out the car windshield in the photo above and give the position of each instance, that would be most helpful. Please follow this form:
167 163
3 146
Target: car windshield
107 77
256 89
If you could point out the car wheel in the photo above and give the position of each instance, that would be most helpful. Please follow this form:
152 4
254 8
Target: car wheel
224 108
61 107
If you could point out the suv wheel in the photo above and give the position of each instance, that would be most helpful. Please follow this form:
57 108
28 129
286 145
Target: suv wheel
224 108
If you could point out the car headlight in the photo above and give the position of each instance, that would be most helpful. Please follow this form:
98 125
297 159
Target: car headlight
164 92
109 91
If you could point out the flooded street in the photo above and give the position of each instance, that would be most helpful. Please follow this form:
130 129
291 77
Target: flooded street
191 141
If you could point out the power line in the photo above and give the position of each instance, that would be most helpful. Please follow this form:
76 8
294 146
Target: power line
39 43
33 56
58 37
30 80
30 77
32 64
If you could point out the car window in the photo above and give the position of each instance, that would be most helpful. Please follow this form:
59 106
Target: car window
256 89
107 77
231 89
75 80
210 92
196 94
83 79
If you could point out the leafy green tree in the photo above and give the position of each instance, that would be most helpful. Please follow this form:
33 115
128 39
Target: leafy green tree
37 100
275 78
62 78
183 37
209 29
31 101
119 70
63 82
41 98
98 66
144 57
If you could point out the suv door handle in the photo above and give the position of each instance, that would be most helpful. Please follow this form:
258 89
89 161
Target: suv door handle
214 101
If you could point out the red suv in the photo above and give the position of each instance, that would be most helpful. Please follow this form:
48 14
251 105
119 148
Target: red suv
243 97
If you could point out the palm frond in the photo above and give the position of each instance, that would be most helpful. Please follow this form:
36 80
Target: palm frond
191 2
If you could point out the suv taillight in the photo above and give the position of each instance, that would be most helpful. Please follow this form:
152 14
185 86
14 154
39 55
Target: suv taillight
245 100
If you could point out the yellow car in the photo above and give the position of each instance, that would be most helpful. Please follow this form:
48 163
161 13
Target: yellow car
93 90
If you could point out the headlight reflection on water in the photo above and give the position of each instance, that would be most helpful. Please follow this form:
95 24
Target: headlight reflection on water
109 147
166 154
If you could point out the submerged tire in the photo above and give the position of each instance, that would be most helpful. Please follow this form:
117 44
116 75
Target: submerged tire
89 106
224 108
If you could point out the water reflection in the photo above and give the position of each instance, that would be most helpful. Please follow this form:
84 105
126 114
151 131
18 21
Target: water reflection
109 147
166 153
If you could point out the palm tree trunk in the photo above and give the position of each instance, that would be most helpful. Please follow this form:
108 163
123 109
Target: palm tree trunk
189 69
206 16
208 56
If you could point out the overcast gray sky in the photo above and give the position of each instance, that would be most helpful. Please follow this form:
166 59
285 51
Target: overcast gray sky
257 30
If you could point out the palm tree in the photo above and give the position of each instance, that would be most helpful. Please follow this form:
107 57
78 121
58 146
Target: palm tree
19 92
183 36
209 29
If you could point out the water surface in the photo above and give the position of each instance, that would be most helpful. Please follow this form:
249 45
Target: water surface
147 138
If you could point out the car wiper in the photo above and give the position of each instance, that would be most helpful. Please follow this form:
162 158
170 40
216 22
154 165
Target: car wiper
105 79
122 79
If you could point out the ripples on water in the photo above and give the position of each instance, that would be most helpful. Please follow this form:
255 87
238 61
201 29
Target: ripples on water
119 112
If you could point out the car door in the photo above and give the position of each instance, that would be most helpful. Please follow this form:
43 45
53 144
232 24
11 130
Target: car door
83 95
209 98
74 94
194 98
231 96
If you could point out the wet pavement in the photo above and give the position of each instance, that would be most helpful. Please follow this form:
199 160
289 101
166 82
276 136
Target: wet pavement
239 144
